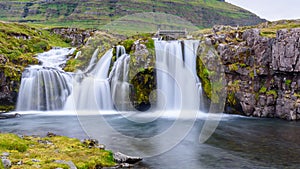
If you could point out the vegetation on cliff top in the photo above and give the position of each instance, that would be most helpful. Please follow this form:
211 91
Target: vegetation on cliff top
52 152
95 13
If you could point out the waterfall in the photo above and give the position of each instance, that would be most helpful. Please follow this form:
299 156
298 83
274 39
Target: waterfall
92 92
120 50
175 60
93 61
190 53
48 87
45 86
119 82
168 60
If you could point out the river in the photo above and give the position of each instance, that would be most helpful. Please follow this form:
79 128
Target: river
238 142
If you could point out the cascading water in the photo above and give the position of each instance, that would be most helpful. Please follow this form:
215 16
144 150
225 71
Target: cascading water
93 91
46 86
119 80
173 59
190 53
120 50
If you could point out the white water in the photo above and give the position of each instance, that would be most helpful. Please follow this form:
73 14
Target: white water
93 91
55 58
119 80
120 50
45 86
176 73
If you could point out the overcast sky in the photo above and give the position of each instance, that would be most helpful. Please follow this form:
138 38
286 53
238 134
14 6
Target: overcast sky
271 9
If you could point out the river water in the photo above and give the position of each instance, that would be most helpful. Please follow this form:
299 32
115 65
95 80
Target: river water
238 142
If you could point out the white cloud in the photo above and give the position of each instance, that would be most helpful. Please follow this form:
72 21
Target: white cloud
271 9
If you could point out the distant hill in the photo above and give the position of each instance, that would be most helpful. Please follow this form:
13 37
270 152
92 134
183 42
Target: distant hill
97 13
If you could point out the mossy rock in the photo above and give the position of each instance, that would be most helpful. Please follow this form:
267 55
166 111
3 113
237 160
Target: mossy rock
100 40
37 152
143 84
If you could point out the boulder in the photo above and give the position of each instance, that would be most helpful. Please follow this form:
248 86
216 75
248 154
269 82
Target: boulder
122 158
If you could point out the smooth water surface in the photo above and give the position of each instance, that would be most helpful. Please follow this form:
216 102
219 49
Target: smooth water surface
238 142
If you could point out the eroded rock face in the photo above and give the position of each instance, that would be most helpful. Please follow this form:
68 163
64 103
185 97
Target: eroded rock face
266 72
74 35
286 51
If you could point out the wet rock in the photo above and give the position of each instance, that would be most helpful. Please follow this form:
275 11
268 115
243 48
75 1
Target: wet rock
8 116
90 142
122 158
49 134
6 163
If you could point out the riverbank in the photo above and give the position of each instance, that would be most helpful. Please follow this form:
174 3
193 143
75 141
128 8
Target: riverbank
52 151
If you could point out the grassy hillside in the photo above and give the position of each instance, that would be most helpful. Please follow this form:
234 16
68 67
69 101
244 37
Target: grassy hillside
95 13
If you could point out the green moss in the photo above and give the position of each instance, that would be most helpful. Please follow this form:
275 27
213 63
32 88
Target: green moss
144 82
232 88
1 165
7 108
150 43
72 65
243 65
13 142
272 92
234 67
263 90
297 95
269 34
50 149
128 44
251 74
203 74
231 99
288 82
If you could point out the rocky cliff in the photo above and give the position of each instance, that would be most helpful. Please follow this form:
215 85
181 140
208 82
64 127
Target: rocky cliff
262 72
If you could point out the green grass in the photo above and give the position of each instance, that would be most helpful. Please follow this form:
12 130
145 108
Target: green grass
269 29
96 14
58 148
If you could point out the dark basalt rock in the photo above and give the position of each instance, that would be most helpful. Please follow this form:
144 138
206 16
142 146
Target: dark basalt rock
8 116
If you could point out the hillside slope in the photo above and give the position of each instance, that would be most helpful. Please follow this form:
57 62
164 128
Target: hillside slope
96 13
